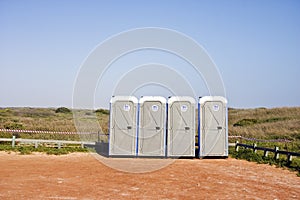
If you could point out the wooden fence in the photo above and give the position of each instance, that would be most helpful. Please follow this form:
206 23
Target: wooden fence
275 150
36 142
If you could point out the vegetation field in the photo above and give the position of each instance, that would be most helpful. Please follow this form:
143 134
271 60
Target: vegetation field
262 123
48 119
283 123
267 124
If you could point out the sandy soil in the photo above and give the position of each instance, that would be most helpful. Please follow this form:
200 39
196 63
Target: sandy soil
81 176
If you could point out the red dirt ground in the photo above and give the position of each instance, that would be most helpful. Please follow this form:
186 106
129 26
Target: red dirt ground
82 176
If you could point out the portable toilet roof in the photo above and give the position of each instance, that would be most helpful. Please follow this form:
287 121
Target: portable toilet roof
152 98
181 126
204 99
152 126
213 126
123 126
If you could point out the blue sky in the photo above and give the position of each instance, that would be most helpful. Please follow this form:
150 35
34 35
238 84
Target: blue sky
255 45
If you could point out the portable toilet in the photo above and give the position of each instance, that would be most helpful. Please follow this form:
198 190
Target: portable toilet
152 126
123 126
212 126
181 126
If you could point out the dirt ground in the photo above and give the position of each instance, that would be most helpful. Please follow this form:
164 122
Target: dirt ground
82 176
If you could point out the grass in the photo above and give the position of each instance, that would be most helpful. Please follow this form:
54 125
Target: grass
258 123
25 150
36 119
283 123
48 119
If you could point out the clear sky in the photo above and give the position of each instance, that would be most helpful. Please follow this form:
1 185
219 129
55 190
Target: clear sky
255 45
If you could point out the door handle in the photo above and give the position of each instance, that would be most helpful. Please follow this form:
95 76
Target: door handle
129 127
219 127
187 128
157 128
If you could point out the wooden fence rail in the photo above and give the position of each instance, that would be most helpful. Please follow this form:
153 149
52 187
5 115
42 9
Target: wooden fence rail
275 150
36 142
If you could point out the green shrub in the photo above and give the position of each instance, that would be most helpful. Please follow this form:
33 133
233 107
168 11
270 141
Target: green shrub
274 119
14 126
63 110
102 111
296 136
24 150
246 122
249 155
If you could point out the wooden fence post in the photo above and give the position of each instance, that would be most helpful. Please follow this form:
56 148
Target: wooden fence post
266 153
254 148
13 142
236 146
276 153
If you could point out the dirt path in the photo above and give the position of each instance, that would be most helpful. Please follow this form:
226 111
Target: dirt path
81 176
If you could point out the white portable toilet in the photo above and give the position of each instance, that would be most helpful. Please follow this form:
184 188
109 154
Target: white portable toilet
181 126
123 126
152 126
212 126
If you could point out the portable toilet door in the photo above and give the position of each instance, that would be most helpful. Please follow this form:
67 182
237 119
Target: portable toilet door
181 126
213 131
152 126
123 126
